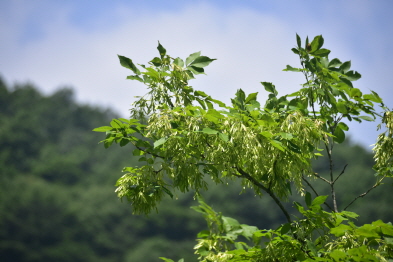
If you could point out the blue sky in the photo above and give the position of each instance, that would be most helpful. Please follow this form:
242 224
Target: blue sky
54 43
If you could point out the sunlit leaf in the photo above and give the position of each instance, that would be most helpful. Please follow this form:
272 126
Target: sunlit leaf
127 63
335 63
209 131
316 43
192 57
162 50
251 97
269 87
339 135
292 69
201 61
102 129
319 200
345 67
160 142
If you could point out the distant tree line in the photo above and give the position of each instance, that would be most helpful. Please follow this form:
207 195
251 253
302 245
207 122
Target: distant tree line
57 200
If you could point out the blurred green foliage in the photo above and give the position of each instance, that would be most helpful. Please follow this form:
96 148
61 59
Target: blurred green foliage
57 200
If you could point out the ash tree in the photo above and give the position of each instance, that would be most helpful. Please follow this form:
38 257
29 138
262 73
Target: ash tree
183 137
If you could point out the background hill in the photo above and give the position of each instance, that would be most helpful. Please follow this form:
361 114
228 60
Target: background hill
57 200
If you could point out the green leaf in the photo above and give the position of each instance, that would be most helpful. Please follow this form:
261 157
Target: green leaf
135 77
316 43
166 259
335 63
321 52
270 87
278 145
346 81
308 199
224 137
292 69
355 92
338 255
102 129
160 141
295 51
162 50
125 120
367 118
178 61
127 63
319 200
345 67
285 135
343 126
116 123
350 214
230 223
298 41
156 61
312 247
340 230
339 135
251 97
137 152
367 230
266 134
285 228
200 93
124 141
201 61
209 131
196 70
341 107
353 75
293 147
374 97
167 191
192 57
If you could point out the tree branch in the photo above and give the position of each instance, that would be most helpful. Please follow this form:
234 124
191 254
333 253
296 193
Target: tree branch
147 152
267 190
342 172
365 193
322 178
331 182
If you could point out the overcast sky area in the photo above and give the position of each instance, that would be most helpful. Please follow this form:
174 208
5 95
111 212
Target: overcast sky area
54 44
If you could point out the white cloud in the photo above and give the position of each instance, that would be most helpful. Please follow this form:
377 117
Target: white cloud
250 47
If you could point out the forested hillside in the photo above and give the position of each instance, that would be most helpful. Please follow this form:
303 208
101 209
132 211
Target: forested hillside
57 200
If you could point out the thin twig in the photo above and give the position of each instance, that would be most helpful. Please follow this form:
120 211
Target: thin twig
322 178
147 152
342 172
365 193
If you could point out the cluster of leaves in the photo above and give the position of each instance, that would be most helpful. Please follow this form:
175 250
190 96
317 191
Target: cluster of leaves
317 236
181 137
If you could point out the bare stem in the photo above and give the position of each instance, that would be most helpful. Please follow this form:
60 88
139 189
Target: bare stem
331 182
365 193
322 178
147 152
342 172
